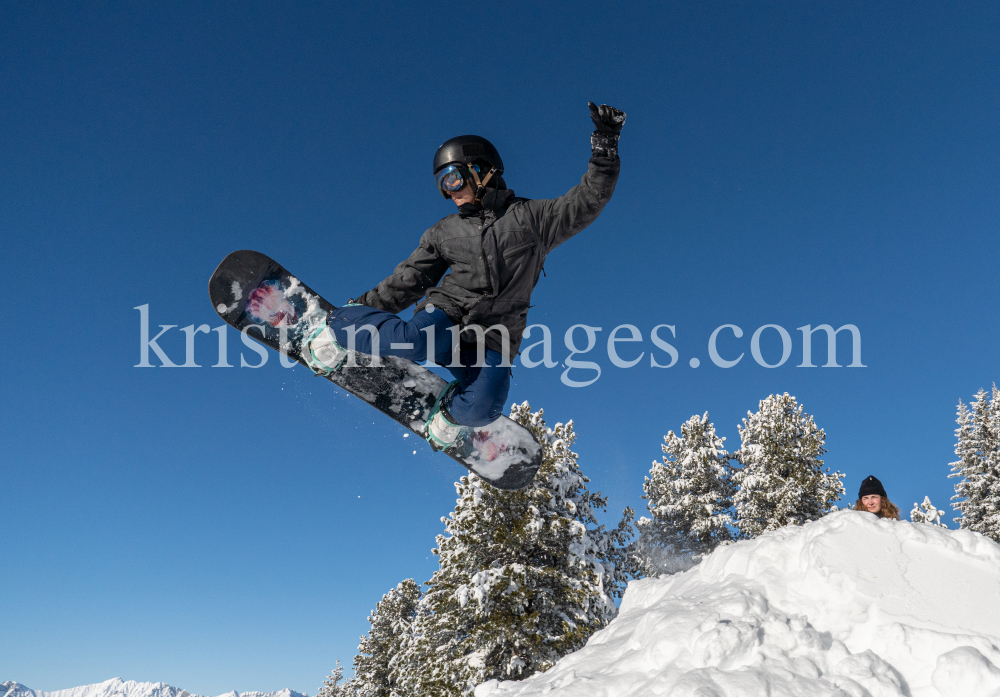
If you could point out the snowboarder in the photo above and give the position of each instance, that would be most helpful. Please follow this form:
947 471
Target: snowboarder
872 498
494 247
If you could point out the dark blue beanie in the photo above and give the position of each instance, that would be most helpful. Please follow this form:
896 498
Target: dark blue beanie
872 486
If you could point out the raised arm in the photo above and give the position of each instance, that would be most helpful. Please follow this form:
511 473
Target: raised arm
407 284
558 219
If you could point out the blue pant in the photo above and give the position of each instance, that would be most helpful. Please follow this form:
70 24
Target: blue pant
482 391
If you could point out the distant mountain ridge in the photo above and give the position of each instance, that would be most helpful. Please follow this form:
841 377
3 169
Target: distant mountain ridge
116 687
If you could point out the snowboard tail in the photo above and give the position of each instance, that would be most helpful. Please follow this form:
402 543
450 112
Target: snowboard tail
257 296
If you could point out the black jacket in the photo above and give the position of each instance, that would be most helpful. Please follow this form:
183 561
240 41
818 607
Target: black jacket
494 257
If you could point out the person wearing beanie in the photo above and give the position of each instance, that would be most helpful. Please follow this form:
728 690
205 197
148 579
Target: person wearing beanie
872 498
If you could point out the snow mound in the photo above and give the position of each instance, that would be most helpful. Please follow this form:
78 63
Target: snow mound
116 687
848 605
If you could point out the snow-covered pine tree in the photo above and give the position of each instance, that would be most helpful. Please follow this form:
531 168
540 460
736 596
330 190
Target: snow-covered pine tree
525 577
390 627
977 493
927 512
781 480
689 495
332 687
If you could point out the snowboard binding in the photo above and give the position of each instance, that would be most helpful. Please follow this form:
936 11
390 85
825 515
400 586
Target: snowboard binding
323 355
440 431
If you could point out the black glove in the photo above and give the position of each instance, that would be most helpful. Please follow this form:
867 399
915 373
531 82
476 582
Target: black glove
608 122
606 118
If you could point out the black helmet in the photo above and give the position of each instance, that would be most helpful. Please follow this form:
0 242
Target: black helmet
464 151
467 150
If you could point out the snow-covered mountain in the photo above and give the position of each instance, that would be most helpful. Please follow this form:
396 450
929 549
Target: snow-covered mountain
117 687
849 605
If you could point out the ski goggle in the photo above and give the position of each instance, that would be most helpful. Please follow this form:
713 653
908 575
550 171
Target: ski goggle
450 179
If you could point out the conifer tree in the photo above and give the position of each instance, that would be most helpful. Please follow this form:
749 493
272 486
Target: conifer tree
689 495
927 512
525 576
977 493
332 687
390 627
781 479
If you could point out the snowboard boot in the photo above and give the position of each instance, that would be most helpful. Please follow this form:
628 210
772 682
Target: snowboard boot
441 431
323 354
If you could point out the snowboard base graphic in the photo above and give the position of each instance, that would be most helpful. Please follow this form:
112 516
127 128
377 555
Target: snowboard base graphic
256 295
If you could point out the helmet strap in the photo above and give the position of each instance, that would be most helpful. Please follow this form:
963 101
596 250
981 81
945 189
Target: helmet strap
481 185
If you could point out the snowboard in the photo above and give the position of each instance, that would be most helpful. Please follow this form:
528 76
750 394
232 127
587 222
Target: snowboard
257 296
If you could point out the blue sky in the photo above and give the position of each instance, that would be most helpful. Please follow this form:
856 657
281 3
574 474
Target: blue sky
219 529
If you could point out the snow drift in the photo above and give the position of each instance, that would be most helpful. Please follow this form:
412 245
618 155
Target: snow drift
116 687
847 605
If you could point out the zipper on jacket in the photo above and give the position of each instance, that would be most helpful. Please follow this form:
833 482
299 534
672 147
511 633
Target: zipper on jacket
483 256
